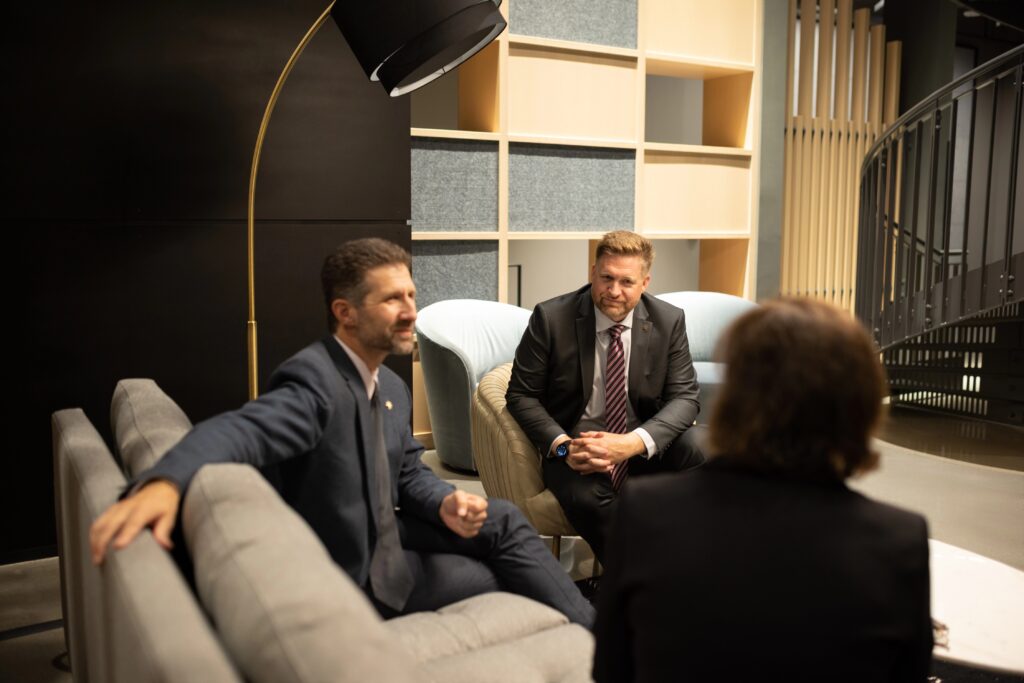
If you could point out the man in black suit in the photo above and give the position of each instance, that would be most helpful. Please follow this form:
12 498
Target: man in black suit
604 386
333 433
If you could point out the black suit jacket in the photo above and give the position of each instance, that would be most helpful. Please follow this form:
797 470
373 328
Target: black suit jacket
553 374
311 434
727 574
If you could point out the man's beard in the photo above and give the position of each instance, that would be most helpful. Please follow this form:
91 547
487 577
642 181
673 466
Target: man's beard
386 340
612 309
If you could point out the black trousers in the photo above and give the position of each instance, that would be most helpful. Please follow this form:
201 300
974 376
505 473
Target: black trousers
506 555
590 502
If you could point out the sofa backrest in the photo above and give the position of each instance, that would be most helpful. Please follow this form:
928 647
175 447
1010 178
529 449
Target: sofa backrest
282 607
134 618
708 314
146 423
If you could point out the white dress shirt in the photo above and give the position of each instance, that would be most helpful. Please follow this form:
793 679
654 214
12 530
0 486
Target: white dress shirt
369 378
593 415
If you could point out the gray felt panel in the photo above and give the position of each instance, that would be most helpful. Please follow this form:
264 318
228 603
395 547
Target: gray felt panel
603 22
454 185
565 189
464 269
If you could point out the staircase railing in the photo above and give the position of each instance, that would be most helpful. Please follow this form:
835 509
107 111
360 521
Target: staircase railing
941 234
941 242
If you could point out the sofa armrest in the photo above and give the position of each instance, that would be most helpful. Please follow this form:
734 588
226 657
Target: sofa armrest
135 617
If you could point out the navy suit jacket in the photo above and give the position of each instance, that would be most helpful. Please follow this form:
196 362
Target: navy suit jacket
553 374
312 435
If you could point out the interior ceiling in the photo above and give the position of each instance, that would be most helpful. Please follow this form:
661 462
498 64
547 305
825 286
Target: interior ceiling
1006 12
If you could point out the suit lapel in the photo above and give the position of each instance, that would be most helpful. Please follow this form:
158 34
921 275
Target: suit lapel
355 386
640 342
586 336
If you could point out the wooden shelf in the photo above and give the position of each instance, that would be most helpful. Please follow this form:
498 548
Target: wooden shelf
724 30
712 192
697 234
717 109
571 141
571 46
429 235
696 150
556 235
694 182
454 134
681 66
571 94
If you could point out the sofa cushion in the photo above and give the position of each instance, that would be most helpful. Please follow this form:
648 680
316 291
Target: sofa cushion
283 609
473 623
146 423
560 655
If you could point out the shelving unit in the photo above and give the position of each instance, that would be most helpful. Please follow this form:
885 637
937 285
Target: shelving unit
588 116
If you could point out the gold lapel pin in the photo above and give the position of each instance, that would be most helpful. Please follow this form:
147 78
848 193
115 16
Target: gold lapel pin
389 405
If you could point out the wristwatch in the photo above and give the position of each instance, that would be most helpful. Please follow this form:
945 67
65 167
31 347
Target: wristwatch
561 450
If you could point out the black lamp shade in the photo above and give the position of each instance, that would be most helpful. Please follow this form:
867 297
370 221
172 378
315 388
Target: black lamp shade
405 44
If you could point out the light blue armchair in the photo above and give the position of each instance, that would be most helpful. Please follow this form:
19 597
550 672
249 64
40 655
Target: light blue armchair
708 314
460 340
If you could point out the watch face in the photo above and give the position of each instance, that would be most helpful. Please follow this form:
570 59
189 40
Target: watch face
562 450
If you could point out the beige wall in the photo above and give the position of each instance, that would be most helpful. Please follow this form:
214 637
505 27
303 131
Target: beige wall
553 267
550 268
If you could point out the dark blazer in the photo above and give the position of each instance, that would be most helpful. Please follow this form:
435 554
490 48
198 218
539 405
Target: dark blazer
311 433
553 374
768 579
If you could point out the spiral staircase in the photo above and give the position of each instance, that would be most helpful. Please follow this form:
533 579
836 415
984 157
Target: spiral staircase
940 251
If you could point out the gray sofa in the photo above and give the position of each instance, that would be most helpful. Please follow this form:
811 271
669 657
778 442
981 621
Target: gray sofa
270 605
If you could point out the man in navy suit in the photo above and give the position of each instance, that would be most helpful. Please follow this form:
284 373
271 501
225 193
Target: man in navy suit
332 432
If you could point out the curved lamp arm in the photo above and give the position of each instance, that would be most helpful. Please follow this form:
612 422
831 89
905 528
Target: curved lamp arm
251 325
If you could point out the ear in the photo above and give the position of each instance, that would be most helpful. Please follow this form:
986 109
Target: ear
646 281
344 312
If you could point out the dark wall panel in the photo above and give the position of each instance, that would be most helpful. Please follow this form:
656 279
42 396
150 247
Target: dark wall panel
149 111
130 146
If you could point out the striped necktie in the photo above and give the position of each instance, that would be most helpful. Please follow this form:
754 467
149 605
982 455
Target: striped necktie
615 397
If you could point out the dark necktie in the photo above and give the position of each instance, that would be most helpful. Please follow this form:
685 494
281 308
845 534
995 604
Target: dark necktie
615 397
390 576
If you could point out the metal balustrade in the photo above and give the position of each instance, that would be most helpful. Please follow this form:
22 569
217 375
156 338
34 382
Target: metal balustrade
941 246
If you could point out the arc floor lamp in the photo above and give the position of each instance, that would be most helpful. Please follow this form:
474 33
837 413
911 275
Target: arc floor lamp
403 44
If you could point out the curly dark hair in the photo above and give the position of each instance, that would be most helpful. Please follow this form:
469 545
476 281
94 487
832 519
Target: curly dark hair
343 275
803 391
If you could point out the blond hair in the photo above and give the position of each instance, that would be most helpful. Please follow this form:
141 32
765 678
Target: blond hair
626 243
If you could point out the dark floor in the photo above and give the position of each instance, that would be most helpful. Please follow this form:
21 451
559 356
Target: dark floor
974 441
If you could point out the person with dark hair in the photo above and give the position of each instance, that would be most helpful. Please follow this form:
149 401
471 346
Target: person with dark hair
604 386
332 432
763 564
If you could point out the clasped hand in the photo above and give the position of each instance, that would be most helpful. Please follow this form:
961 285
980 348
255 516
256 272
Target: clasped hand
592 452
464 513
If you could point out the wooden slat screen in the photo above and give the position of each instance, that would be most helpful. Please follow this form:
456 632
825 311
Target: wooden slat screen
826 138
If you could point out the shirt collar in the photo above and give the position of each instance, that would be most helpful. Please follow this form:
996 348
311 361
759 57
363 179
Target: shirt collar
604 322
369 378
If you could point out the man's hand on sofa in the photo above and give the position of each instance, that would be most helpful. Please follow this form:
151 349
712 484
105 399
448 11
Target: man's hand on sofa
464 513
154 506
